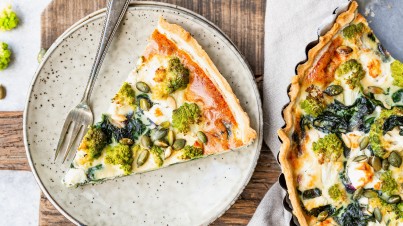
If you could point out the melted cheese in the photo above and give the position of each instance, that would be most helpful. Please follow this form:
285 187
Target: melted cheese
360 173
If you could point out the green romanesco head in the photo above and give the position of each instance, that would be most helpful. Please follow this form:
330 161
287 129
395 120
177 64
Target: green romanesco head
376 132
389 184
126 96
397 73
184 116
5 56
354 30
93 142
8 19
157 152
328 148
191 152
358 73
177 75
120 154
335 192
312 106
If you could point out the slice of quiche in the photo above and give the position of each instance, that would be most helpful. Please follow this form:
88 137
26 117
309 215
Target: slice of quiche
343 140
174 107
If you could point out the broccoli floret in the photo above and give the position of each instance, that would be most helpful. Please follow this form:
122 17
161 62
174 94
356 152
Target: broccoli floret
312 106
357 74
157 152
8 19
5 56
175 77
389 184
354 30
191 152
93 142
120 154
397 72
126 96
335 192
184 116
376 132
328 148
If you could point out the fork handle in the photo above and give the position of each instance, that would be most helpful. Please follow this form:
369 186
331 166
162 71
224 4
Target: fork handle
115 11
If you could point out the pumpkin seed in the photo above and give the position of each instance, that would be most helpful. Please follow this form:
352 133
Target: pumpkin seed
167 152
146 142
394 199
143 87
344 50
143 156
40 55
159 133
171 137
400 206
333 90
171 102
377 214
323 215
385 164
126 141
160 143
357 193
375 90
179 144
364 142
144 104
2 92
360 158
165 124
395 159
375 162
311 193
346 140
370 194
202 137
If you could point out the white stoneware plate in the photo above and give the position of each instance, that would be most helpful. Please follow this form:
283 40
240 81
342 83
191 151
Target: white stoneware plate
193 193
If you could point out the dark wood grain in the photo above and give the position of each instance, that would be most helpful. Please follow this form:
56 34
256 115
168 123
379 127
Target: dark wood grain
241 20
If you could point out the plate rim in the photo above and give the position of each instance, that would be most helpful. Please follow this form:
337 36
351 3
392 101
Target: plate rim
76 26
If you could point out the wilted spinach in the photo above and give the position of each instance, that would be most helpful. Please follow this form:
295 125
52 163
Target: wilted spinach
392 122
353 216
133 128
91 171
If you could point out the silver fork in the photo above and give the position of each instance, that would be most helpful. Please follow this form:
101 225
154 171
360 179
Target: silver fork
81 116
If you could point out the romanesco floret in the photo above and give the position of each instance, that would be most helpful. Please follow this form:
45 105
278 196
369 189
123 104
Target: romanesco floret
184 116
157 152
353 30
177 75
376 132
5 56
191 152
357 74
335 192
120 154
312 106
126 96
389 184
8 19
93 142
328 148
397 73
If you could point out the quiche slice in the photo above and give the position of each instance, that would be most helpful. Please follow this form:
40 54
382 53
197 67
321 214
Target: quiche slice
174 107
342 145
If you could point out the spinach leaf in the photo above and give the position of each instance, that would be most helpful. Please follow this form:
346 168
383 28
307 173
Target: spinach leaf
392 122
91 171
330 123
353 216
316 211
397 96
133 128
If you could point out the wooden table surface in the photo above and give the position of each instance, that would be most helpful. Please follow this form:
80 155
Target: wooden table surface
241 20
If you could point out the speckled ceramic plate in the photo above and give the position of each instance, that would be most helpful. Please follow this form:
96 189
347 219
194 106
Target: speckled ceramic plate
193 193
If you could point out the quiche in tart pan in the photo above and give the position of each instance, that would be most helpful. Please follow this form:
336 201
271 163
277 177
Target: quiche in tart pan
342 145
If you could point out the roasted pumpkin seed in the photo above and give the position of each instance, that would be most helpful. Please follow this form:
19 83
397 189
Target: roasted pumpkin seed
159 133
167 152
385 164
357 193
375 90
145 141
375 162
323 215
370 194
2 92
171 137
144 104
160 143
202 137
179 144
165 124
394 199
143 156
377 214
143 87
344 50
333 90
126 141
346 140
360 158
395 159
364 142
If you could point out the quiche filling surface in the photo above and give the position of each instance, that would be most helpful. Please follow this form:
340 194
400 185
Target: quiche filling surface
174 107
345 150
